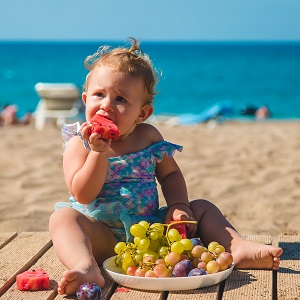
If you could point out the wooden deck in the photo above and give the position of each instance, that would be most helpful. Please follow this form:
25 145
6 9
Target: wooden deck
27 250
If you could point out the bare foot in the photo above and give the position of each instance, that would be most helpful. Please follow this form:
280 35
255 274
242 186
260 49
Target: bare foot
251 255
73 279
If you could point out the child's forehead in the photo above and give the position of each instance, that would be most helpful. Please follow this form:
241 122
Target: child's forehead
109 76
107 72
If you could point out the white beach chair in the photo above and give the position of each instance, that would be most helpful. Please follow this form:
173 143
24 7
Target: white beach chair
57 101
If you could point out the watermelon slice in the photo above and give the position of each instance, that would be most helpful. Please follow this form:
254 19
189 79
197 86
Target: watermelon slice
180 228
107 128
33 280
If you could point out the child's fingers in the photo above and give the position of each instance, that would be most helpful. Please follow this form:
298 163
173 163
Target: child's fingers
191 229
85 130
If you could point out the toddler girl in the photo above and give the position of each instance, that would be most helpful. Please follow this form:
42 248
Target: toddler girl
113 182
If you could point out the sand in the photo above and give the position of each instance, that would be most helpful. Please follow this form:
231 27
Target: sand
250 170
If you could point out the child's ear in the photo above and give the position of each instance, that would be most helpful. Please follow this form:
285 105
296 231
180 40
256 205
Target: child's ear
83 97
146 112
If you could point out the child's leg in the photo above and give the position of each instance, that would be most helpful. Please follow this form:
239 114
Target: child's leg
80 243
213 226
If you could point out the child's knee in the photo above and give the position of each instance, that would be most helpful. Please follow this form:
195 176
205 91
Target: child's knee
61 215
202 204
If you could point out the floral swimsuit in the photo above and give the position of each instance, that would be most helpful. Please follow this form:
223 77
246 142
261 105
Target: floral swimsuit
129 193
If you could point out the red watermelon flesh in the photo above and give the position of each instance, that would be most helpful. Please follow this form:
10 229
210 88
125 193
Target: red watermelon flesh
33 280
180 228
107 128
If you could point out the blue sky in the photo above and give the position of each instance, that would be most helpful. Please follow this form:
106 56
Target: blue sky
150 20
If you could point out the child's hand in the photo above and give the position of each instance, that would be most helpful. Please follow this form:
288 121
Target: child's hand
95 141
181 212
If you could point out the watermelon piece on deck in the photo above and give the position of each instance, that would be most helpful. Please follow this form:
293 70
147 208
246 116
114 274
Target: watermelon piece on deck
106 127
33 280
181 228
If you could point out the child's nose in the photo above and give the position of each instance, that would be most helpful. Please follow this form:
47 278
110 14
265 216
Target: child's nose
106 104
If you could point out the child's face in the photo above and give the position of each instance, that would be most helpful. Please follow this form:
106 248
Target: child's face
117 96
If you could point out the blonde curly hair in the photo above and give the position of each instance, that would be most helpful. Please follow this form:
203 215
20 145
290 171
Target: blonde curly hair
130 61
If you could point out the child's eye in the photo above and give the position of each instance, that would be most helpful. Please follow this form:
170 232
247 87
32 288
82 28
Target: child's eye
100 95
120 99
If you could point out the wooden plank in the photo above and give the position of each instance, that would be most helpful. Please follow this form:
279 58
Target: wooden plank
136 294
54 268
250 284
208 293
288 279
21 253
6 237
50 263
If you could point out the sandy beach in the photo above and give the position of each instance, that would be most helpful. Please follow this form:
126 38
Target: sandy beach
250 170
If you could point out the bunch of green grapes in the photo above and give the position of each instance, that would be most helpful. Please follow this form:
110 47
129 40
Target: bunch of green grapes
147 241
160 251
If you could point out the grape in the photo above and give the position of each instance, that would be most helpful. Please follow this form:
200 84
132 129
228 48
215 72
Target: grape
212 267
140 272
196 272
154 245
151 253
206 257
163 251
89 291
187 244
183 256
160 261
145 224
182 268
138 230
223 265
126 257
118 260
218 250
144 243
126 265
161 270
177 247
196 241
197 251
172 258
202 265
156 231
195 262
149 259
140 252
131 270
153 235
174 235
163 241
150 273
136 240
120 247
138 258
227 256
212 246
157 226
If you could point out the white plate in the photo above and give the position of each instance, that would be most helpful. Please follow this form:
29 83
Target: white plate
163 284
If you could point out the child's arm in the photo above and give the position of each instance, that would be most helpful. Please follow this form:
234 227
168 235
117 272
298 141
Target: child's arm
85 172
174 189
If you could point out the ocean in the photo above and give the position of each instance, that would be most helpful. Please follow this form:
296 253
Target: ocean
194 76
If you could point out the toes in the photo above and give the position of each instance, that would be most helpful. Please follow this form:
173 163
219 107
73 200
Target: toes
69 276
276 259
60 291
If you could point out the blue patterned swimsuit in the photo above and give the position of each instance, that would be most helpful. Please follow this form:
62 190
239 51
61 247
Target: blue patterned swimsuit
129 193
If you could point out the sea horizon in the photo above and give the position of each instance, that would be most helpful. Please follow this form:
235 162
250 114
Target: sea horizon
195 74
